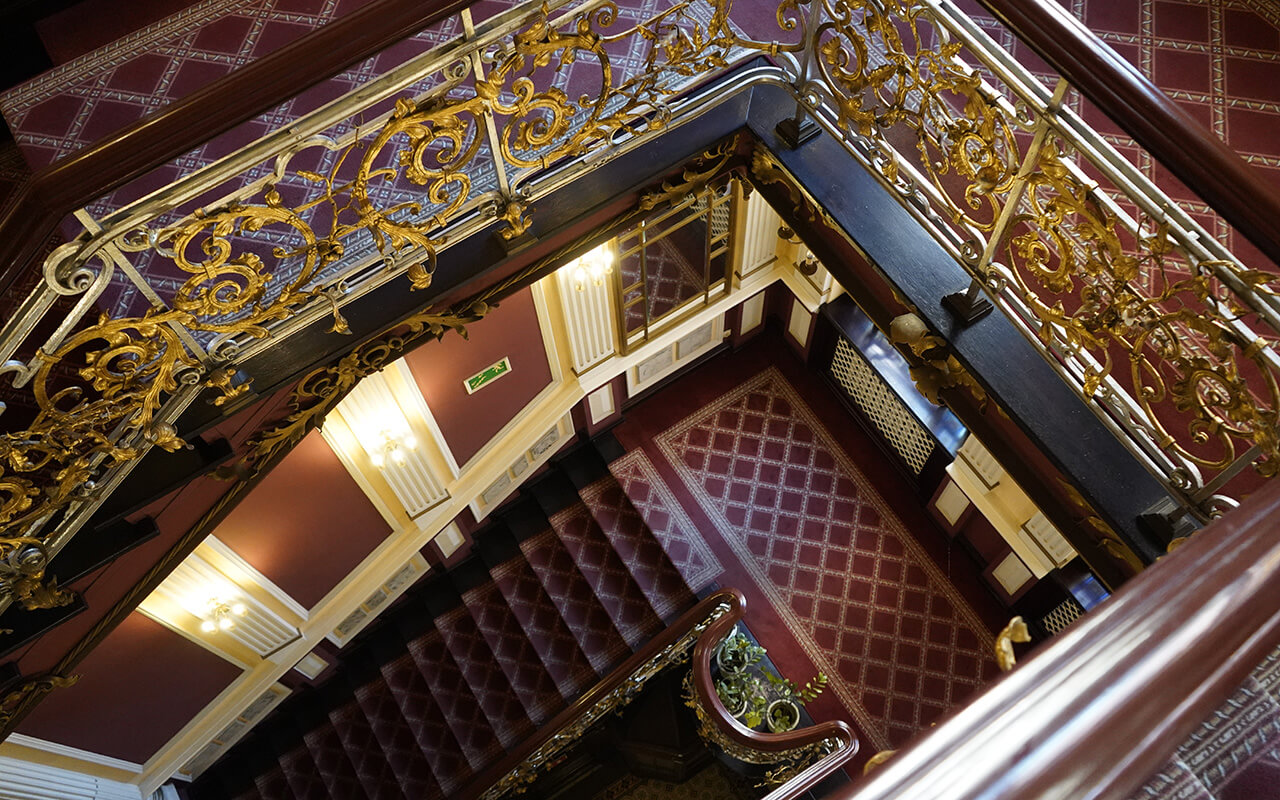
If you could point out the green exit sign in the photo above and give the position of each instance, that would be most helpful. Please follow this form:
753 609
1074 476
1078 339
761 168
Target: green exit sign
487 375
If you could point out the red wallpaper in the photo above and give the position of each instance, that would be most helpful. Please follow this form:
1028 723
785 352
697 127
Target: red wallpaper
307 525
468 422
136 690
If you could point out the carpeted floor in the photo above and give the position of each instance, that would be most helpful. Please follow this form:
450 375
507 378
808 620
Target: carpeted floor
843 571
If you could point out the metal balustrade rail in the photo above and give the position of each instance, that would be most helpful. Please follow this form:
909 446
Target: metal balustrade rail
1076 246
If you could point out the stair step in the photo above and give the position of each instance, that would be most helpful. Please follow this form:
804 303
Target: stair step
435 738
457 703
303 775
325 746
638 548
575 599
397 739
665 520
608 576
538 616
517 656
271 785
356 736
489 683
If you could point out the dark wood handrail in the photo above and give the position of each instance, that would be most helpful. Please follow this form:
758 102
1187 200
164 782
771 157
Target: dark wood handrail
706 695
71 183
1103 706
705 646
1198 158
704 688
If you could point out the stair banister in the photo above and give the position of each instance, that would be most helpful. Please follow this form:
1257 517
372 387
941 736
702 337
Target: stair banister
736 737
1202 161
72 182
1103 706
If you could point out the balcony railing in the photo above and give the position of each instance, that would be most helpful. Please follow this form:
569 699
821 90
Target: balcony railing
1160 330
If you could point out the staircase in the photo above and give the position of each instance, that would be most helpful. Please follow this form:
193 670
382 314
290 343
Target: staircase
564 584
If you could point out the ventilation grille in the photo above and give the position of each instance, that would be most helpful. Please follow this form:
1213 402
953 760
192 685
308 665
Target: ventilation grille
237 728
1057 620
869 392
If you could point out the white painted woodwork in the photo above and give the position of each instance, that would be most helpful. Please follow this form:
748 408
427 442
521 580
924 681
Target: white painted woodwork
1009 510
752 313
758 242
600 403
376 418
182 603
381 597
24 780
589 319
800 322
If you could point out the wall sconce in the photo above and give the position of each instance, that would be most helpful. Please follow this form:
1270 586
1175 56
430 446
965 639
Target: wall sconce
222 615
394 447
593 266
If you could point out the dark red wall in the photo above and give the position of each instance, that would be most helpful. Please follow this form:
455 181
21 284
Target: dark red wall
306 525
136 690
468 422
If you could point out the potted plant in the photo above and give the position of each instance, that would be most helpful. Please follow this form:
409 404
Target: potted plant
743 696
737 653
784 713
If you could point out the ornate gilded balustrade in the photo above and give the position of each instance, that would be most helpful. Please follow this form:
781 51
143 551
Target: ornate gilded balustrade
1169 338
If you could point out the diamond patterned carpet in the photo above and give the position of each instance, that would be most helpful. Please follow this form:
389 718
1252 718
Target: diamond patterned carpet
851 584
607 575
546 630
646 492
572 594
670 280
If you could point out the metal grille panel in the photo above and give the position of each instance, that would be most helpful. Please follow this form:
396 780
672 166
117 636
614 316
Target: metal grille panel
1065 613
894 420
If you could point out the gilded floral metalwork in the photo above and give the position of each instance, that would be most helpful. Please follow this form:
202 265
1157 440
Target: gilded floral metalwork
1132 295
27 691
784 765
677 652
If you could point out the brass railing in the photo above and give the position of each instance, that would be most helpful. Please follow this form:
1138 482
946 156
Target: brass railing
1081 251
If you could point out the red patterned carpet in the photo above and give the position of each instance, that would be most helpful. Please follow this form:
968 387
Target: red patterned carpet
836 577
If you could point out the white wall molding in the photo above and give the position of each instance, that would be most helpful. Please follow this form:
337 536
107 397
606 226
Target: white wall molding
26 780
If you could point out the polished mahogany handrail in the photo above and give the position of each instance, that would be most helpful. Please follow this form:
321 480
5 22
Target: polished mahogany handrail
1100 708
72 182
706 644
705 694
1198 158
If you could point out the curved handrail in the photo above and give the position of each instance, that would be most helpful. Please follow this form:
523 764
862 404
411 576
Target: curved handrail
834 736
704 689
700 630
70 183
1199 159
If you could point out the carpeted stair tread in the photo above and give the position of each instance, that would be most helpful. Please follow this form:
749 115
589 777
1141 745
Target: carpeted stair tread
606 573
539 618
374 774
575 598
303 774
489 683
515 654
435 739
398 740
271 785
332 763
641 552
457 703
